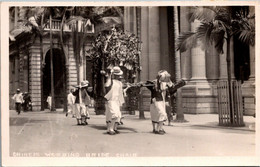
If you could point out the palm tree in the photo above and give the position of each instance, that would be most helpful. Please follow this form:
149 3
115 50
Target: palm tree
218 24
78 15
33 20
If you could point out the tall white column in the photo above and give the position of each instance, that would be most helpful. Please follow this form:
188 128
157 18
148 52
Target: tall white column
145 43
133 20
127 19
154 42
130 19
212 63
185 56
198 59
198 94
164 42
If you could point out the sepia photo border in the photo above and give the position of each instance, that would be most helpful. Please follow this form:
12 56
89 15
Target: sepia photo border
111 161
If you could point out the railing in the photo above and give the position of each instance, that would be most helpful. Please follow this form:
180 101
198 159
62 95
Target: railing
226 117
56 26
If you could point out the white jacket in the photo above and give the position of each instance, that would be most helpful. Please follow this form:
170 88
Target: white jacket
18 98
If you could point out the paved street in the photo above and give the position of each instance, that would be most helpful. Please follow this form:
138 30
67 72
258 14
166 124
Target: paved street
52 134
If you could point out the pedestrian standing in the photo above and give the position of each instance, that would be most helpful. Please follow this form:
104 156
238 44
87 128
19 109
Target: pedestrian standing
81 103
27 101
115 99
71 103
169 107
49 101
18 98
158 88
170 98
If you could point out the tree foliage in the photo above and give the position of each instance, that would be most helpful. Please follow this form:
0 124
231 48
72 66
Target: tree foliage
217 24
30 17
117 48
114 48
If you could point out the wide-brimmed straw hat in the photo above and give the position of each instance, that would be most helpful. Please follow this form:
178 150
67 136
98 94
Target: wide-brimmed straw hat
84 83
117 71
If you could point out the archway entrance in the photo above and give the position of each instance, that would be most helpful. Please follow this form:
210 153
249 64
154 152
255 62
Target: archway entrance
59 77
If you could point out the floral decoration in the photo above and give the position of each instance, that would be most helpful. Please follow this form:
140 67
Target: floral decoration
117 48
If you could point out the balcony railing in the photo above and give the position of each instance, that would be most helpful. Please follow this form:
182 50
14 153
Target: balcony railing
56 26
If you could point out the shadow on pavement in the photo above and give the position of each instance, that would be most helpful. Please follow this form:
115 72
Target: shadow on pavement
22 120
98 127
104 128
37 121
217 127
127 128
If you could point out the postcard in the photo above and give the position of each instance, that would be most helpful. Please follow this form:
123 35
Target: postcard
130 83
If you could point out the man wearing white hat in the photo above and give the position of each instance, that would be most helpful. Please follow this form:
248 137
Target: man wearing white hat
115 99
18 98
82 100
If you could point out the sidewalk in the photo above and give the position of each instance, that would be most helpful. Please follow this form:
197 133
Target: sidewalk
206 120
200 120
52 134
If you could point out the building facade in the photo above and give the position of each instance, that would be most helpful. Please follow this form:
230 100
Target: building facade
30 64
202 70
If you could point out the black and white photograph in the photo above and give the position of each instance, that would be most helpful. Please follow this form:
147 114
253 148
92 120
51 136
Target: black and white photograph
125 83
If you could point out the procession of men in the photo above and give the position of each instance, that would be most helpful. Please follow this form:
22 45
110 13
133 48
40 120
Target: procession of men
79 99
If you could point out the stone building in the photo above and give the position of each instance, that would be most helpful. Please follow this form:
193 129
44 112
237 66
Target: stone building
155 27
32 73
201 69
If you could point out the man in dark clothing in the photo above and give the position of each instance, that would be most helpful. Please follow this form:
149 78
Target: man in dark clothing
27 101
82 101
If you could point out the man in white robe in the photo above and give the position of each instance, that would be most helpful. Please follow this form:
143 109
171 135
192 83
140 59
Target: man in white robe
115 100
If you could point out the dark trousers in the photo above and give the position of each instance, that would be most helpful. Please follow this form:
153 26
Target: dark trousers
169 113
18 107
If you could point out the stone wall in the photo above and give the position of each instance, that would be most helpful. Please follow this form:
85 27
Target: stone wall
35 77
199 99
248 94
71 69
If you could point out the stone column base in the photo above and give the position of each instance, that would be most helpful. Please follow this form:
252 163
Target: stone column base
199 98
248 95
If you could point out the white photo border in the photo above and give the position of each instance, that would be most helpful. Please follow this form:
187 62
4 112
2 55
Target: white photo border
140 161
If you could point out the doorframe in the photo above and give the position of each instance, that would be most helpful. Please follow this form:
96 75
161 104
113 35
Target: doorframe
46 50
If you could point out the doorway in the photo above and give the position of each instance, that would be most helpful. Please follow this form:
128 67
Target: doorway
241 60
59 77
